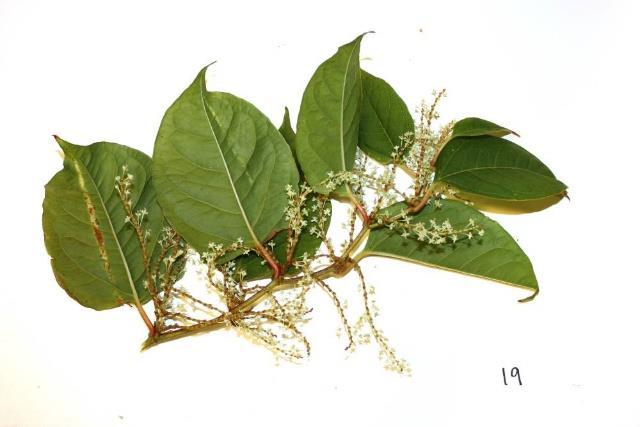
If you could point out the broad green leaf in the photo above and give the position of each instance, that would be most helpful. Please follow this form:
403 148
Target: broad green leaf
495 168
308 243
289 135
327 129
254 266
221 168
510 207
95 255
474 126
384 118
286 130
494 256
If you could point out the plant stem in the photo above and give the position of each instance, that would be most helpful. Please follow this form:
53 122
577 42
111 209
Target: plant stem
339 268
408 171
421 204
275 266
145 318
215 324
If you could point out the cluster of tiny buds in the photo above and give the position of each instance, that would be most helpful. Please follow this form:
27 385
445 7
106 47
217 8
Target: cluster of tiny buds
303 263
432 232
366 331
336 179
274 323
320 215
421 147
168 237
217 250
123 185
305 212
294 212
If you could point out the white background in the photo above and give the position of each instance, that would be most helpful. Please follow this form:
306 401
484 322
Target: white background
564 74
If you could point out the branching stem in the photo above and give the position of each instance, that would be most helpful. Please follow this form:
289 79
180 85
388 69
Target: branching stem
342 266
266 255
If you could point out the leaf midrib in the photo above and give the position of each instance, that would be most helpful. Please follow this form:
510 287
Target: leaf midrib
342 103
367 252
224 163
125 264
377 116
496 167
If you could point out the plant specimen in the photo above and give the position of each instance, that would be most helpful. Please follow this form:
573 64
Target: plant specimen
250 207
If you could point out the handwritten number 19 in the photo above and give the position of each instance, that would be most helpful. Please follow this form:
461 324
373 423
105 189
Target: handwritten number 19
515 373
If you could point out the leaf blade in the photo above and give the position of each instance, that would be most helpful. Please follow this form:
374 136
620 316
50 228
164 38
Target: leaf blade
475 126
253 264
286 130
95 256
222 168
307 243
495 168
327 128
384 118
496 256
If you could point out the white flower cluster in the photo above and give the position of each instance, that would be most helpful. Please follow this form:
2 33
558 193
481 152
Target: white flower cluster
319 216
275 323
336 179
431 232
217 250
365 329
294 212
123 185
305 211
420 148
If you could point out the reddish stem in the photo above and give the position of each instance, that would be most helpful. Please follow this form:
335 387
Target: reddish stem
275 267
421 204
362 212
147 321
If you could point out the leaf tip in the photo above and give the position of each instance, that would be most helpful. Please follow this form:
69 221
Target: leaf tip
365 33
61 142
530 297
361 36
202 75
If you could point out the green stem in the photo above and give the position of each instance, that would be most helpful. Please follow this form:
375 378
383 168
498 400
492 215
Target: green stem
215 324
339 268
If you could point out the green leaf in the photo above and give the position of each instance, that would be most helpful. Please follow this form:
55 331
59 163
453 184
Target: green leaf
308 243
253 264
289 135
327 129
510 207
491 168
221 169
384 118
95 255
495 256
286 130
474 126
